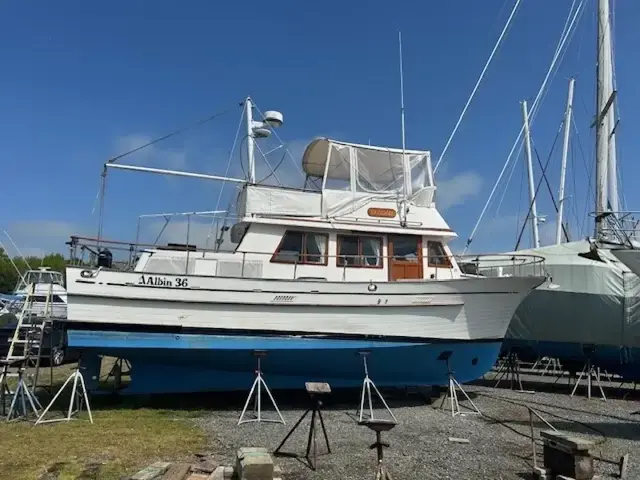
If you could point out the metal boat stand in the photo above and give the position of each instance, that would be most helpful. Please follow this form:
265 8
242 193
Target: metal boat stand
367 385
79 397
452 391
379 426
510 368
591 372
24 401
258 383
314 390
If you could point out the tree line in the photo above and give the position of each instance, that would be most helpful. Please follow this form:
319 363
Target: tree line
9 276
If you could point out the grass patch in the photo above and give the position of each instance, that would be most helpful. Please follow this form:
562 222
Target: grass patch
122 440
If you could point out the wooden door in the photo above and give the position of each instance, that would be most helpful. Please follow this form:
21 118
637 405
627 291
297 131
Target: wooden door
405 257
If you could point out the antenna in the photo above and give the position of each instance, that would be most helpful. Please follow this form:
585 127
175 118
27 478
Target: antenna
407 176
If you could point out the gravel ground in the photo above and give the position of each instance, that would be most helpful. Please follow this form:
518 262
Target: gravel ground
499 446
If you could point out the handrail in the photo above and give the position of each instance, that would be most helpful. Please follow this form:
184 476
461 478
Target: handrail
533 413
434 266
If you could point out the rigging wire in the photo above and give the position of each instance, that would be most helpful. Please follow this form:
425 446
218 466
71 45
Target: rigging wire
475 88
226 174
295 163
540 100
567 33
546 180
544 170
575 188
588 168
169 135
534 113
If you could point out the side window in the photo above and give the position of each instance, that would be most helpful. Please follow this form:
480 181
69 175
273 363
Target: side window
437 255
302 248
348 250
356 251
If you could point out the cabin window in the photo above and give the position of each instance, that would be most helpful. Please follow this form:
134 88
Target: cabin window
406 248
302 248
359 251
438 256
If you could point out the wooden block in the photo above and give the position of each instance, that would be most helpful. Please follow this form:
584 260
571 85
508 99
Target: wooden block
458 440
177 471
577 465
198 476
565 441
624 464
317 387
207 466
540 473
152 471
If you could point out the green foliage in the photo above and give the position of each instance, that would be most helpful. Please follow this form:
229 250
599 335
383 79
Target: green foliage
9 276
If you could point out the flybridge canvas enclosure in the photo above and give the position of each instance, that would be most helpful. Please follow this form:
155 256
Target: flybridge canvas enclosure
366 168
351 177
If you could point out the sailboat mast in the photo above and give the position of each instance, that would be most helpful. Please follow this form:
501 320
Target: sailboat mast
532 189
603 104
563 167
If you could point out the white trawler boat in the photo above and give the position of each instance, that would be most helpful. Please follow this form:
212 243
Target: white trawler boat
312 276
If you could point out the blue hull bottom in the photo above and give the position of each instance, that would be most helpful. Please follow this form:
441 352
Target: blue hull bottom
173 363
624 361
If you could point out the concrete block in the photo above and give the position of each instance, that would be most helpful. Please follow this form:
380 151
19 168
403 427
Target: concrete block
218 474
223 473
152 472
177 471
254 463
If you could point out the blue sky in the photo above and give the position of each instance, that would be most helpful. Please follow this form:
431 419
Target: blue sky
83 81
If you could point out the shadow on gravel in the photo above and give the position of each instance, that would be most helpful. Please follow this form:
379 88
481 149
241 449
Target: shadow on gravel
613 391
339 399
623 431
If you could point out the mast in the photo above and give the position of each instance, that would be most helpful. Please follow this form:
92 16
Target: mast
405 166
609 125
248 105
563 167
604 98
532 191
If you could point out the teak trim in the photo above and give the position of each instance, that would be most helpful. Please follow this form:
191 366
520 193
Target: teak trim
391 254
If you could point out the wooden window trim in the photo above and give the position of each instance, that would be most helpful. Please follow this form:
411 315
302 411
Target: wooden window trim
339 238
325 259
446 258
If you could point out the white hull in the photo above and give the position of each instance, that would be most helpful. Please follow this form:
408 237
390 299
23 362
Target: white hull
463 309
